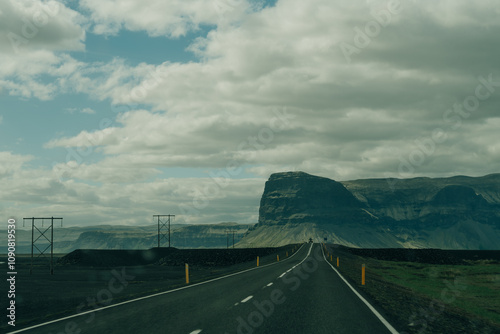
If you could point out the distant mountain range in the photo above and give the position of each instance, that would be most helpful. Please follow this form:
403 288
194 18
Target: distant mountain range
67 239
451 213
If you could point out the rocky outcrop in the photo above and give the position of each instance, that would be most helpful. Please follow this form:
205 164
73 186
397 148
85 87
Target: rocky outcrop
453 213
431 202
297 197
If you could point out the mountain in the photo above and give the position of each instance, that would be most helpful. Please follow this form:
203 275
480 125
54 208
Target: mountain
67 239
452 213
299 197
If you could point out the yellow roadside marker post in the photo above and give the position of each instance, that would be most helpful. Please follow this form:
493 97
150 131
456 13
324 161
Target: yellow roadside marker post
363 274
337 261
187 273
257 261
278 257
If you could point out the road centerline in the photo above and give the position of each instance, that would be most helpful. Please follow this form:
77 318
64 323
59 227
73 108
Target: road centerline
247 299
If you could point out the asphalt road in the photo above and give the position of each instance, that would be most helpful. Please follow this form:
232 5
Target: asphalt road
302 294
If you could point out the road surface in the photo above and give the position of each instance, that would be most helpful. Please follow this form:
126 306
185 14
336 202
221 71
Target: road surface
302 294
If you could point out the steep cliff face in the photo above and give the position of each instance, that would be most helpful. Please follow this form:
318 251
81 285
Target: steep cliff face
297 197
437 201
458 212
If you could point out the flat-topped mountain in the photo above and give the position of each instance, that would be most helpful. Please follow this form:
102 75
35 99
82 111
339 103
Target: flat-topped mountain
457 212
297 197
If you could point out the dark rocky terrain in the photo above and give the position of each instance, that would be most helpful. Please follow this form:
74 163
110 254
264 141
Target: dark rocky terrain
451 213
165 256
429 256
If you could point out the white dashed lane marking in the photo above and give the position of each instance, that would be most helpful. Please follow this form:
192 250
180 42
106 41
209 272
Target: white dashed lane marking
247 299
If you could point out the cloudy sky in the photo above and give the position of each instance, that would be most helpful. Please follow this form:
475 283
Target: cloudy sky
112 111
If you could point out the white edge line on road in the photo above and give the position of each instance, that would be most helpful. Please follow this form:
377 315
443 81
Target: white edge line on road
196 331
378 315
270 284
150 296
247 299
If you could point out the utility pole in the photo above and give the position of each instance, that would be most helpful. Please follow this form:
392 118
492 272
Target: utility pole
163 223
45 234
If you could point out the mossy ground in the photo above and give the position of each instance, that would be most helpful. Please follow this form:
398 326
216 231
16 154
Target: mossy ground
429 298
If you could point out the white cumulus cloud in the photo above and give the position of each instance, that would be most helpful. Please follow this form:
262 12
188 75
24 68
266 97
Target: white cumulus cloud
172 18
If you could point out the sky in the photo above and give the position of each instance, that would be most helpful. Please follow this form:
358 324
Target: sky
112 111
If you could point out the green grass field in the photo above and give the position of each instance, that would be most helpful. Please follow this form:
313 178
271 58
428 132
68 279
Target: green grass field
473 288
428 298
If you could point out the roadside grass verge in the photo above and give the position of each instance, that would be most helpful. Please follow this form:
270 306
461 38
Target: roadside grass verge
429 298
